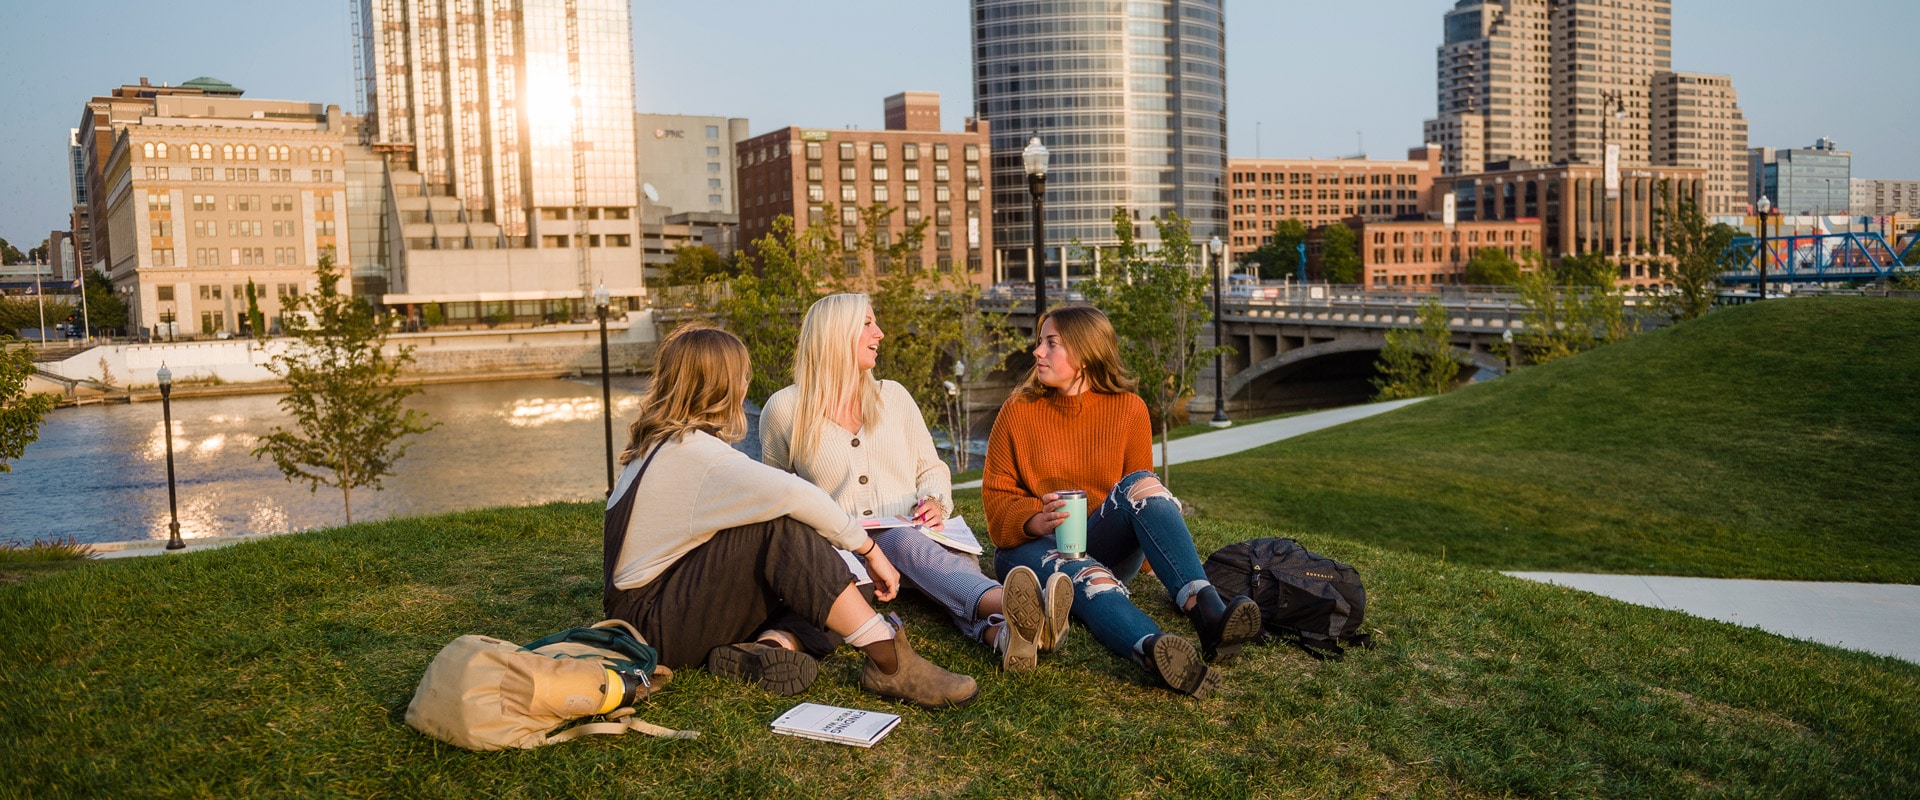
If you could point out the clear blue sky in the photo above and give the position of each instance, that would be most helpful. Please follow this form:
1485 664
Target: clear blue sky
1311 73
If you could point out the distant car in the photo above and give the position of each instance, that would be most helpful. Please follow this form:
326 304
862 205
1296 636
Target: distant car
73 333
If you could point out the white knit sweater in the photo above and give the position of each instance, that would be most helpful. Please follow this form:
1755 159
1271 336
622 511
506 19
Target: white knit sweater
699 485
873 473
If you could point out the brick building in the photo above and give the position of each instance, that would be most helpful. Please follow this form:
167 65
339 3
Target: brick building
1419 253
1319 192
818 176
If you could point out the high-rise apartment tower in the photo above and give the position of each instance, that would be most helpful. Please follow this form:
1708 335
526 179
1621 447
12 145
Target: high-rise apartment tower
1495 86
1131 100
508 132
1697 123
1607 51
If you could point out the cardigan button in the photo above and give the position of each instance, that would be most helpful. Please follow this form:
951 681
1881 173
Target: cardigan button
868 512
863 480
856 442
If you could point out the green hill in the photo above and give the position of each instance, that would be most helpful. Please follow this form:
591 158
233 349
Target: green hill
1776 440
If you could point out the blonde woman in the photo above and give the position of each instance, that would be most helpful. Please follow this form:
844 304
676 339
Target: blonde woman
705 547
865 443
1075 423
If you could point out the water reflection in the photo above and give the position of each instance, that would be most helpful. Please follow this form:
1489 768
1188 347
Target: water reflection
98 473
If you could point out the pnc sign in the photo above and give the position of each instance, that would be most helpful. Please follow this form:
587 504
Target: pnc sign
663 133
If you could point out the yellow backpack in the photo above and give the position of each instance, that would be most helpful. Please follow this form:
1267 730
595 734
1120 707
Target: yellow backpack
482 693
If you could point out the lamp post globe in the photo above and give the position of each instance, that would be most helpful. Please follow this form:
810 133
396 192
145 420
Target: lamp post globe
165 376
602 300
1765 207
1217 249
1034 158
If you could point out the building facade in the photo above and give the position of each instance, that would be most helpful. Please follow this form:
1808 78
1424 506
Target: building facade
1411 254
825 177
507 130
1605 49
1697 123
1570 204
1885 198
1130 100
1319 192
687 162
92 143
207 194
1494 85
1816 180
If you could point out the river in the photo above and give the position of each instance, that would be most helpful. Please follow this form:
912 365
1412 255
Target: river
99 473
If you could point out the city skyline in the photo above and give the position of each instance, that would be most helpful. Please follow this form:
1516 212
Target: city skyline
690 60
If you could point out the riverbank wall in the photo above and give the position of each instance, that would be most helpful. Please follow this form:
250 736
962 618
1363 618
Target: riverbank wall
132 369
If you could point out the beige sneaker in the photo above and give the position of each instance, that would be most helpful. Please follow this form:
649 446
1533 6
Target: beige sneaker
1059 612
917 681
1026 619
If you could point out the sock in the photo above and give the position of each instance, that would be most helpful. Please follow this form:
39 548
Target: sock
875 638
780 639
1187 592
995 634
1140 649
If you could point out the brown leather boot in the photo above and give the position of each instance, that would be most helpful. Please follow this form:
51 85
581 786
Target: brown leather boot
1179 665
917 680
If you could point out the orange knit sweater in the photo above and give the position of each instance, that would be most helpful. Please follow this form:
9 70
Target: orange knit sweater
1088 441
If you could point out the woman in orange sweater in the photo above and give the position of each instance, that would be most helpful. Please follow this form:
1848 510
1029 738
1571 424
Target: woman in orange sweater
1074 423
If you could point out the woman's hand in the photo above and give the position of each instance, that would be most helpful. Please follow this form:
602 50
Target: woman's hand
930 515
886 579
1050 516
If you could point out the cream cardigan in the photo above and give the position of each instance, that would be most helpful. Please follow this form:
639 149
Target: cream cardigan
874 473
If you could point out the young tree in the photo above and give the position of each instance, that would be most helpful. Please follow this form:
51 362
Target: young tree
1339 255
347 412
1418 362
105 310
1591 269
256 321
1158 305
1696 249
1491 266
1280 256
694 264
763 305
20 413
1564 319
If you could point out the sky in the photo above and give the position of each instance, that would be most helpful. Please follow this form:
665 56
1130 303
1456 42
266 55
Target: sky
1304 79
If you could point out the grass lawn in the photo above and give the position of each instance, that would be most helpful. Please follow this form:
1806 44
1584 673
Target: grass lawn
283 668
1777 440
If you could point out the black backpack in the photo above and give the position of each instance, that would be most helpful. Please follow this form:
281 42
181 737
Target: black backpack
1312 601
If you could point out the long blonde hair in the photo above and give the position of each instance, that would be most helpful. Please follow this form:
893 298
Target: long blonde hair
699 383
1091 342
826 370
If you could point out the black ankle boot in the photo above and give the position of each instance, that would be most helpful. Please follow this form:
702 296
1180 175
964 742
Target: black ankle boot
1223 625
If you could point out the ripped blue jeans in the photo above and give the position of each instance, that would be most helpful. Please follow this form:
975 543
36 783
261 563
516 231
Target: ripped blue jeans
1139 521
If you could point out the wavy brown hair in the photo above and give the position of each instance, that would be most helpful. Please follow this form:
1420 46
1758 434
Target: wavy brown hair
699 384
1093 347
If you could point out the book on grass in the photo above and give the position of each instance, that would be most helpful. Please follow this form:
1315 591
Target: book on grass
836 724
955 535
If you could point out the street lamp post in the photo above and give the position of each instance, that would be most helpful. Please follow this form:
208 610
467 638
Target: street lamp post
601 300
1217 248
1765 206
1035 158
166 414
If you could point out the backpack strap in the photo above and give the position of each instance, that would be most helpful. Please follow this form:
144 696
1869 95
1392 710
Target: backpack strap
616 728
614 535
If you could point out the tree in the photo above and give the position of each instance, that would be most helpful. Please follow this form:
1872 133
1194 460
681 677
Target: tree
1280 256
347 413
1491 266
1696 249
105 309
1158 304
1339 254
10 255
1564 319
694 264
256 321
38 255
763 305
1418 362
20 413
1590 269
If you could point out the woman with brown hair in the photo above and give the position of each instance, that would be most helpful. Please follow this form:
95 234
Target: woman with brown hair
705 547
1074 423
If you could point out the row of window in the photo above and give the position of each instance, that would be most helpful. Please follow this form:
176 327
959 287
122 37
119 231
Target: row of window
238 202
1441 237
236 152
1426 255
1322 211
880 172
237 174
849 151
877 193
212 291
1330 178
1325 194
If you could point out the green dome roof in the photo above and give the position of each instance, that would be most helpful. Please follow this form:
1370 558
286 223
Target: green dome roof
212 86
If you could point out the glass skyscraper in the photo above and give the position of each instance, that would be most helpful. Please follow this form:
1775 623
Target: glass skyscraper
1130 98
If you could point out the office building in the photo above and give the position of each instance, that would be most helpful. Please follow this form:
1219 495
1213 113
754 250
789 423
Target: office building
507 130
686 162
1570 204
1494 85
1697 123
80 219
1410 254
91 144
1319 192
1606 50
1885 198
211 192
1129 98
819 176
1807 181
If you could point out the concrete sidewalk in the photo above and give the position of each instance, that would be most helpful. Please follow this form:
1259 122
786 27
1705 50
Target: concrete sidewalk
1876 618
1227 441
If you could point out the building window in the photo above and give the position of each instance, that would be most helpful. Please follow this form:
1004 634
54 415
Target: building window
972 153
879 151
912 193
713 131
910 173
164 293
713 183
814 173
813 151
879 172
713 166
943 240
849 193
815 193
940 152
910 152
943 216
850 216
848 173
912 214
973 193
880 193
941 173
942 193
816 215
713 152
846 151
